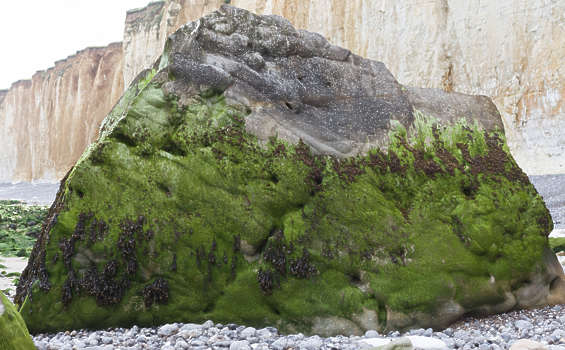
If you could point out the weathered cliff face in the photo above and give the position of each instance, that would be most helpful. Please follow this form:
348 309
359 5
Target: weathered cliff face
46 122
508 50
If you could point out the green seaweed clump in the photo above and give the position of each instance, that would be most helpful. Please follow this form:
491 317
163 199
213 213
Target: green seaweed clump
20 225
557 244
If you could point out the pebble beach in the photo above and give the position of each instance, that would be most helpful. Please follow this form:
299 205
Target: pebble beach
545 326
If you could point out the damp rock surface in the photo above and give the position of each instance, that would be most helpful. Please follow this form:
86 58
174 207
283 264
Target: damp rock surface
13 332
259 175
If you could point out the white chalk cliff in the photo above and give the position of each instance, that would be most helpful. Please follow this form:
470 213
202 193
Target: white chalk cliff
509 50
46 122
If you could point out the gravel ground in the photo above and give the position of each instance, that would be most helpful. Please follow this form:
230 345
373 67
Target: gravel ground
545 325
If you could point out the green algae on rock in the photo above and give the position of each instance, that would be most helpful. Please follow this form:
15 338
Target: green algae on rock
13 332
20 225
260 175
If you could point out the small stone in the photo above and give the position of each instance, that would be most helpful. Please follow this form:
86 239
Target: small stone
450 342
106 340
527 344
208 324
283 343
371 334
190 326
398 344
223 344
264 333
460 335
40 345
311 343
260 346
523 324
181 344
92 340
272 330
79 344
197 342
557 334
460 342
240 345
168 330
248 332
140 339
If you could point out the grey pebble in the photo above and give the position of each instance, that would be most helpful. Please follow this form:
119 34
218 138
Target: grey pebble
545 325
248 332
168 329
311 343
523 324
208 324
283 343
240 345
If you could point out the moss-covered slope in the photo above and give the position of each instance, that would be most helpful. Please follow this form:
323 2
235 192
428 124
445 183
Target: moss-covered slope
178 214
13 332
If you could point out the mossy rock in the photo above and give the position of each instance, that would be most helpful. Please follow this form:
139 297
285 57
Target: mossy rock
557 244
13 332
186 210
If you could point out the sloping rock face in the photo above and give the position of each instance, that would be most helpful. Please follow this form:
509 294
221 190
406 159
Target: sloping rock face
13 332
260 175
47 122
508 50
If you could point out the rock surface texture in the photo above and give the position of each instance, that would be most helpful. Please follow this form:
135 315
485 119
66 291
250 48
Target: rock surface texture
508 50
13 331
260 175
47 122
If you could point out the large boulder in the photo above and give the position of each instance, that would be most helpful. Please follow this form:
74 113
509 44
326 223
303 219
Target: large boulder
13 332
259 175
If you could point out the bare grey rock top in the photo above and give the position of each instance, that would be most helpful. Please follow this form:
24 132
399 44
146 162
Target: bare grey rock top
299 86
